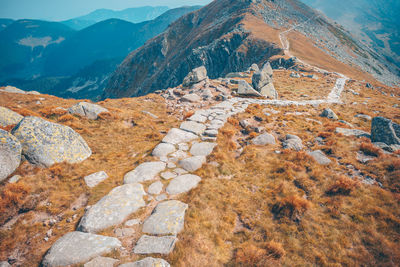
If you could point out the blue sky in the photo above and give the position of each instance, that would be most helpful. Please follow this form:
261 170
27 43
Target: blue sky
66 9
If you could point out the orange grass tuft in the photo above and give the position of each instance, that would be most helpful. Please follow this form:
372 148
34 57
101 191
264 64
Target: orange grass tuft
342 186
292 207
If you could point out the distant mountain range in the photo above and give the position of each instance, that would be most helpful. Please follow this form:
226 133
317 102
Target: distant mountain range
134 15
51 57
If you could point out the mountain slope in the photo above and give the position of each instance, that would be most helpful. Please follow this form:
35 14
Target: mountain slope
228 36
4 23
134 15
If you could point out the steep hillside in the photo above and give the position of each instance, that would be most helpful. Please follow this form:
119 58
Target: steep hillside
134 15
228 36
4 23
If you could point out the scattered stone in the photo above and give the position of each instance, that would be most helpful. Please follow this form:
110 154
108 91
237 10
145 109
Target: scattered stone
211 133
78 247
168 175
113 208
195 76
385 131
45 143
368 85
95 178
193 98
293 142
9 117
294 75
14 179
144 172
163 149
346 123
269 91
177 136
193 127
202 149
328 113
10 154
364 117
183 184
264 139
167 218
320 157
155 188
246 89
193 163
244 123
132 222
101 261
88 110
155 245
361 157
198 118
150 114
254 67
124 232
147 262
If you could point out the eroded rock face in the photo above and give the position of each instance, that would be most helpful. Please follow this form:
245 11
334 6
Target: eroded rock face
195 76
88 110
385 131
113 208
78 247
9 117
45 143
10 154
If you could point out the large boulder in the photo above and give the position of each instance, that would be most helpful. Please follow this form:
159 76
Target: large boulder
293 142
246 89
78 247
88 110
195 76
269 91
262 81
46 143
385 131
113 208
9 117
10 154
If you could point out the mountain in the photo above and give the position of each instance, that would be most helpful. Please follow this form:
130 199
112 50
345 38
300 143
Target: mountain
375 22
228 36
4 23
134 15
25 44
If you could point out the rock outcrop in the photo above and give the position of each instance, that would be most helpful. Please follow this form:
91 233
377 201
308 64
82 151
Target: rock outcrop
9 117
195 76
45 143
10 154
262 82
88 110
385 131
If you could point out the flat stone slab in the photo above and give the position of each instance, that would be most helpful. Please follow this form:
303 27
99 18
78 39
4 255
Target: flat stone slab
147 262
155 245
167 218
193 163
183 184
145 172
78 247
193 127
202 149
168 175
113 208
176 136
101 261
163 149
155 188
264 139
94 179
320 157
352 132
198 118
9 117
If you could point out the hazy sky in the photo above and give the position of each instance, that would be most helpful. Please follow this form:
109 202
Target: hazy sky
66 9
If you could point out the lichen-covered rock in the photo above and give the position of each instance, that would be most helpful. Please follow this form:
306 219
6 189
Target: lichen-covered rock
147 262
46 143
385 131
78 247
9 117
113 208
195 76
88 110
10 154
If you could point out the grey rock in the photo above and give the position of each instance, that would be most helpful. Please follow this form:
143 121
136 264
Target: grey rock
193 127
183 146
385 131
95 178
145 172
320 157
211 133
364 117
352 132
328 113
264 139
9 117
155 188
78 247
167 218
10 154
147 262
155 245
237 75
269 91
180 171
244 123
246 89
178 155
14 179
183 184
198 118
163 149
124 232
113 208
193 98
195 76
4 264
193 163
101 261
88 110
12 89
254 67
202 149
45 143
168 175
293 142
161 197
262 77
177 136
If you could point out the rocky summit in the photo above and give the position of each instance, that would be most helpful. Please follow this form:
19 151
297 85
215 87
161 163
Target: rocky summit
248 133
